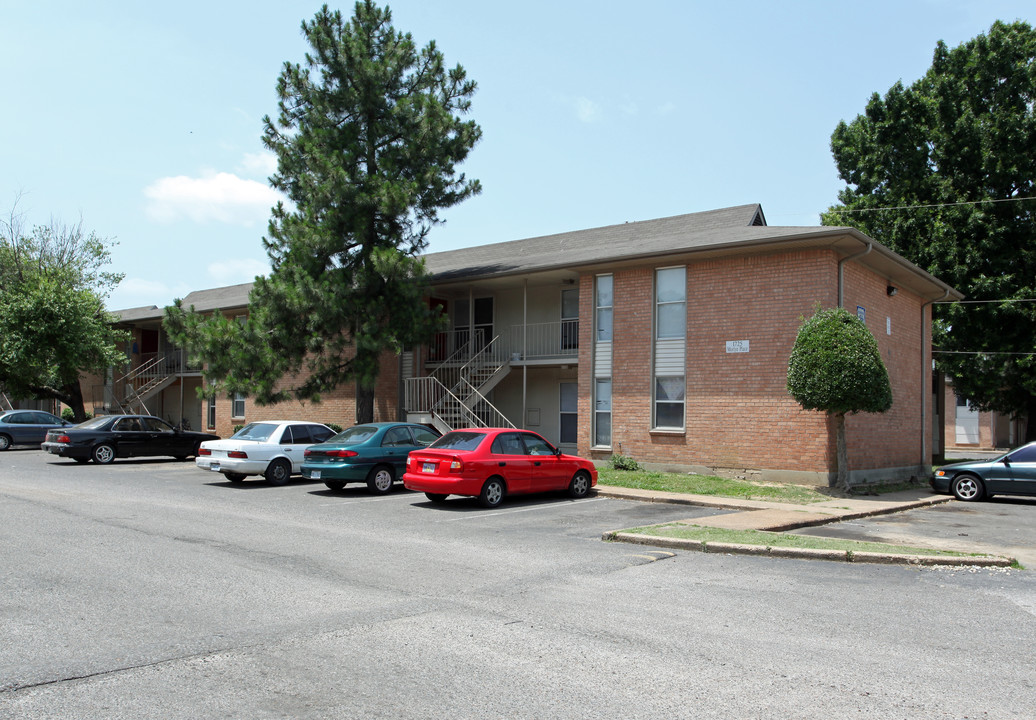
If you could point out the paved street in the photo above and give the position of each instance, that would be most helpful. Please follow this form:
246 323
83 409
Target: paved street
153 589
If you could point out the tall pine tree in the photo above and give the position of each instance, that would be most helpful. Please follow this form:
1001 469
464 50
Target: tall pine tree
367 140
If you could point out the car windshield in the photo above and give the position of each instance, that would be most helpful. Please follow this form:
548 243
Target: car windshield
459 441
255 431
354 435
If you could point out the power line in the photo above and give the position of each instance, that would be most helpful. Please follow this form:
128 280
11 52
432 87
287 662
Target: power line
979 352
844 209
979 302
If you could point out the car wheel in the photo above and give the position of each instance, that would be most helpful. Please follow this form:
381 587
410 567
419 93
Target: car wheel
234 477
5 442
967 488
492 493
580 485
380 480
436 497
278 472
335 485
103 454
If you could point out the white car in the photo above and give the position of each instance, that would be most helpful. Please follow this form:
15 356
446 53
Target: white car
271 448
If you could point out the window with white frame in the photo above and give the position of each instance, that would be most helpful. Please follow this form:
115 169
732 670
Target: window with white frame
671 303
569 413
669 402
670 349
603 412
603 303
237 407
210 418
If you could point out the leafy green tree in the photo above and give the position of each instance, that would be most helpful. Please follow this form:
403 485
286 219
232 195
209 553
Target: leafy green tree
835 367
943 172
367 140
53 325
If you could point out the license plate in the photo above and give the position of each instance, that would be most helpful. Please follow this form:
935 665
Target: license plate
315 474
214 467
428 467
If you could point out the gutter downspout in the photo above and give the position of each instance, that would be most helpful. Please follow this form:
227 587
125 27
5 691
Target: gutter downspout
926 388
525 349
841 271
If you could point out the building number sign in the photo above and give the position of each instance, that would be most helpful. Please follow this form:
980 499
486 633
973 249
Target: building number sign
737 346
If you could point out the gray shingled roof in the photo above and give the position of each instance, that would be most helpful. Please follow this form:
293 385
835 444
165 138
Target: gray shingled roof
735 229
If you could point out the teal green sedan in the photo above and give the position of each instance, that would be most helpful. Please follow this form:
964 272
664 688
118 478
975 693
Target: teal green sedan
373 453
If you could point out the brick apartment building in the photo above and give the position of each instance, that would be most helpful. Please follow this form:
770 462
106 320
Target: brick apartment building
666 340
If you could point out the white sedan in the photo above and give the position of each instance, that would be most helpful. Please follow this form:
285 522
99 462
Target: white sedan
271 448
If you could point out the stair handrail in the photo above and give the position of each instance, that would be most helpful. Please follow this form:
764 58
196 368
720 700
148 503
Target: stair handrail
497 418
449 401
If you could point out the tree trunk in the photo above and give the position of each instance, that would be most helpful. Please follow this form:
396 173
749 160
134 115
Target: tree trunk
364 403
73 397
842 453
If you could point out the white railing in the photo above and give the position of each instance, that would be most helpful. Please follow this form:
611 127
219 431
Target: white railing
546 341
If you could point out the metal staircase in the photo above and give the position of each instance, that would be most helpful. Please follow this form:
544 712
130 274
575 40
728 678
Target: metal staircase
131 392
453 395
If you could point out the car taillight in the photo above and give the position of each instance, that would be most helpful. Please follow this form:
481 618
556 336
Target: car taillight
62 439
204 451
456 466
342 453
239 454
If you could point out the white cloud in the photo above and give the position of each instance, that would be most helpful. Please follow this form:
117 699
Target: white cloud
213 197
234 272
587 110
261 164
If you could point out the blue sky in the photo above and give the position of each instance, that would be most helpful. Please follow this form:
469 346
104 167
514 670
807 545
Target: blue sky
143 120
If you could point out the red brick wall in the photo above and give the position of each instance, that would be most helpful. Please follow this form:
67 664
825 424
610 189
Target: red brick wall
738 411
338 406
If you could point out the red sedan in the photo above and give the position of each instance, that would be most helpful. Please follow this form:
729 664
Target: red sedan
491 463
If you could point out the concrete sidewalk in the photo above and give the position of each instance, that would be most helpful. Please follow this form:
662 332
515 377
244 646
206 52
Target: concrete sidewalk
779 517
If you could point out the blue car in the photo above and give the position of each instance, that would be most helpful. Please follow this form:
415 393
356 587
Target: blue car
27 427
1013 473
372 453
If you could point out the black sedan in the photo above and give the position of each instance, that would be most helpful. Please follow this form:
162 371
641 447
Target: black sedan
110 436
1011 474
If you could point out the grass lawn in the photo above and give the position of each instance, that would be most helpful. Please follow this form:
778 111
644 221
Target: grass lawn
710 485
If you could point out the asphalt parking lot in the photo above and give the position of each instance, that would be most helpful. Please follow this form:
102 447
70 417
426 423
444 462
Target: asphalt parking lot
154 589
1003 526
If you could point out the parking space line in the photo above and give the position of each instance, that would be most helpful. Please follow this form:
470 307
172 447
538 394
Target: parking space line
358 501
476 516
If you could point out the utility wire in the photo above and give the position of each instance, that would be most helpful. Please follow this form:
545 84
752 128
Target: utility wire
844 209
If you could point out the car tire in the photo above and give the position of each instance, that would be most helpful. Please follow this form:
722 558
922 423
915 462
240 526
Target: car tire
5 442
278 472
335 485
580 485
493 493
234 477
967 488
436 497
103 454
380 479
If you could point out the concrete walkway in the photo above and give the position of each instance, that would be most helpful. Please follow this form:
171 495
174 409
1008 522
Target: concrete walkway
779 517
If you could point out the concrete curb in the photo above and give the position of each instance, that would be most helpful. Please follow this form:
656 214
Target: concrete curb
809 553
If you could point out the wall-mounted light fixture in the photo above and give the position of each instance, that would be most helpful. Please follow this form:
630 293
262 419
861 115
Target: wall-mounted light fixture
891 290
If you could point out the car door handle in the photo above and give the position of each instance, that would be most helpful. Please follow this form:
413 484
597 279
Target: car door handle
537 463
501 464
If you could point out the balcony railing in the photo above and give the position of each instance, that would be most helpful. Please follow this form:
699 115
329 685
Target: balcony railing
535 341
